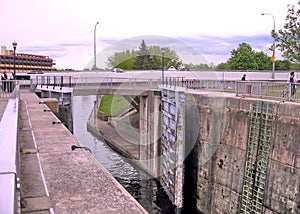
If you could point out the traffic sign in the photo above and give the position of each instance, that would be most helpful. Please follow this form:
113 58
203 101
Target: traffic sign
273 58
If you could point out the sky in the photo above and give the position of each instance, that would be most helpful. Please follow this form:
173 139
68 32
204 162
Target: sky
199 31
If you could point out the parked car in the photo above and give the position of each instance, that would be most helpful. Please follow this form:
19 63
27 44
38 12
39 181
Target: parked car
117 70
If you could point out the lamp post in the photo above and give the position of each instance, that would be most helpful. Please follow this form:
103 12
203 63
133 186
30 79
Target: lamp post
95 45
14 44
163 64
273 47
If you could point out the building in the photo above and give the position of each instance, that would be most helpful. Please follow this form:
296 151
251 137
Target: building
24 62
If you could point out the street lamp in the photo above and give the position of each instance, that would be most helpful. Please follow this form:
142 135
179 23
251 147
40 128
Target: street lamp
163 64
95 45
14 44
273 47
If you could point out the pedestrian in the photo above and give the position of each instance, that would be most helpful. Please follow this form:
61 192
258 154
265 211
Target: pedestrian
292 81
244 77
4 79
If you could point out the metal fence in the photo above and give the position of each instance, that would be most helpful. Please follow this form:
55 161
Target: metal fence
10 89
268 89
263 89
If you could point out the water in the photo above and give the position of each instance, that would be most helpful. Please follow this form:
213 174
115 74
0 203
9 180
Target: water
146 190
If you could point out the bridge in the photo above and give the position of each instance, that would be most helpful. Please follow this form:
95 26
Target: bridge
135 83
191 112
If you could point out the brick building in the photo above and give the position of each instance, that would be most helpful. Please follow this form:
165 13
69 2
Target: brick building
24 62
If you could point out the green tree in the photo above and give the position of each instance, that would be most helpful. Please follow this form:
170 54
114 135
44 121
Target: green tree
288 38
242 58
263 61
199 67
143 61
124 60
283 65
222 66
171 58
146 58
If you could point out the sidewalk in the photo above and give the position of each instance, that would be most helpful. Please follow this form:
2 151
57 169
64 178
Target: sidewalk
55 179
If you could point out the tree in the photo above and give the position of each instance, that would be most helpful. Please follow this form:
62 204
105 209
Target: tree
146 58
124 60
263 61
242 58
199 67
170 59
288 38
283 65
222 66
142 61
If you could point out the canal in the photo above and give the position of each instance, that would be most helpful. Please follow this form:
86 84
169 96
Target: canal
145 189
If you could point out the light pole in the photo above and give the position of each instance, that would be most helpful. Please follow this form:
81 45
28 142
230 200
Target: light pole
163 64
95 45
14 44
273 46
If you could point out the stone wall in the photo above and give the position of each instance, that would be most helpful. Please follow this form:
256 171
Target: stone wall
215 163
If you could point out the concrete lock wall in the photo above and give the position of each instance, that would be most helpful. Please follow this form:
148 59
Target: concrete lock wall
149 127
215 163
217 130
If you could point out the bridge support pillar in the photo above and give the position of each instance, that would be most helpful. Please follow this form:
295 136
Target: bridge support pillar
149 132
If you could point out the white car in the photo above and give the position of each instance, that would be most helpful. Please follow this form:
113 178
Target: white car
117 70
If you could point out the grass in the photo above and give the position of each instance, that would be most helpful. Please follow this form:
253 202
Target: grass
112 104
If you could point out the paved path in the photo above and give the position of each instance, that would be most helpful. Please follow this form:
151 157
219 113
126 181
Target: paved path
56 179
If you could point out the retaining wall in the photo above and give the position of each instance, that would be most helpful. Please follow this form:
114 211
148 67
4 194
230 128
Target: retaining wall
215 164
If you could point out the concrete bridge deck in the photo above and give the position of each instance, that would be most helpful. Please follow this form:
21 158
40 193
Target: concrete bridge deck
55 179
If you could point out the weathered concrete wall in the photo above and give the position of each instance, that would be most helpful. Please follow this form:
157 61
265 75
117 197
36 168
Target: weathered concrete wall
65 115
216 137
149 133
214 175
52 104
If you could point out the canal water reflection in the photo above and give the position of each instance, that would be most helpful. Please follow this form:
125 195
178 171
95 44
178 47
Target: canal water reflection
146 190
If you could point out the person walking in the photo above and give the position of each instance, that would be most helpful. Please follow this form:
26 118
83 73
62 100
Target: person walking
4 81
244 77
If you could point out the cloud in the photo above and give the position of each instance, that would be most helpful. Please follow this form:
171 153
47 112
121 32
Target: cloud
66 28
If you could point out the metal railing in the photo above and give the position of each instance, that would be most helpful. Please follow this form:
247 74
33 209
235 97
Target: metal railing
9 89
53 81
94 82
268 89
262 89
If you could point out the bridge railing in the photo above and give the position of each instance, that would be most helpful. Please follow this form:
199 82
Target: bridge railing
268 89
114 83
9 89
53 81
108 82
200 84
263 89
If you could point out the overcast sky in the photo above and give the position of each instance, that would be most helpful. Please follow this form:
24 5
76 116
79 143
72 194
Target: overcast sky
64 29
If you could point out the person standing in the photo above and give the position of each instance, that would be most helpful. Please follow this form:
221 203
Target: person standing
292 81
4 79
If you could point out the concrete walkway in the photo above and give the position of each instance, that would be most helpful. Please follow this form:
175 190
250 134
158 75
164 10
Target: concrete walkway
55 179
